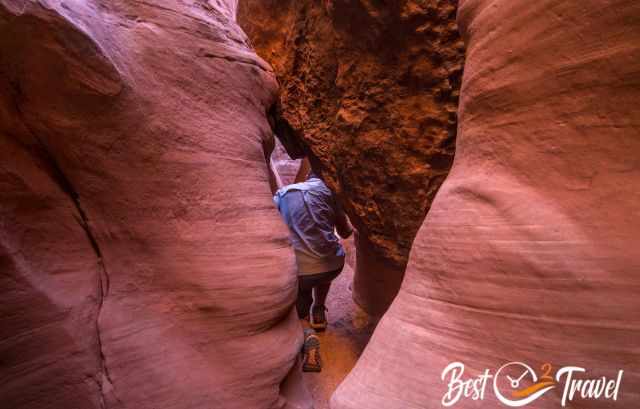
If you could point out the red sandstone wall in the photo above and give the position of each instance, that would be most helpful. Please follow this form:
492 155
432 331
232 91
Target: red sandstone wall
529 252
142 262
371 88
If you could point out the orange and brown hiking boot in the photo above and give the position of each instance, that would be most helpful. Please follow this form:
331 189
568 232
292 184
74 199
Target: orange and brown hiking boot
311 361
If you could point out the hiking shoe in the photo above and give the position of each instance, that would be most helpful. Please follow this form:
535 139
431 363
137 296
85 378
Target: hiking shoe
311 361
318 319
308 332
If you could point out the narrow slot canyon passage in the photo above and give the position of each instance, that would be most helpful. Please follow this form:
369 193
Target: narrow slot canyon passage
144 261
349 327
342 343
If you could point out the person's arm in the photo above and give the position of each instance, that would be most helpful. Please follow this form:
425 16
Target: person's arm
303 171
343 226
274 179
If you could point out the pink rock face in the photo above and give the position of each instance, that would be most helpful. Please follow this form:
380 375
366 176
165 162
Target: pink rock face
143 264
530 250
284 166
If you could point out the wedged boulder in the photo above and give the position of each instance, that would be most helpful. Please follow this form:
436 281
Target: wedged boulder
370 89
143 263
529 252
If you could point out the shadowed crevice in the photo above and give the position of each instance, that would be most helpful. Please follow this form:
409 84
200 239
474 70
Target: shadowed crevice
53 169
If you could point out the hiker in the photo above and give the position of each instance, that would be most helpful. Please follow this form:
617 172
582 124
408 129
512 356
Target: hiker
312 213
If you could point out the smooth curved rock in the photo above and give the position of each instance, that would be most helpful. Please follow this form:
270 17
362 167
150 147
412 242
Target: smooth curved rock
143 264
529 252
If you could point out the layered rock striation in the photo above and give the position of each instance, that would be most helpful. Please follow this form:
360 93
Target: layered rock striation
142 262
529 252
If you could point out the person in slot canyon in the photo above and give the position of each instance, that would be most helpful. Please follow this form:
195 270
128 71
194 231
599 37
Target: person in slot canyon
313 215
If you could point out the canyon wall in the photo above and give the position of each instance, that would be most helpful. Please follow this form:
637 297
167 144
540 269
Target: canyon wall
370 89
144 266
143 263
529 252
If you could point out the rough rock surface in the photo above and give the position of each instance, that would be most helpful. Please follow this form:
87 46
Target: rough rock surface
136 270
529 252
371 89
